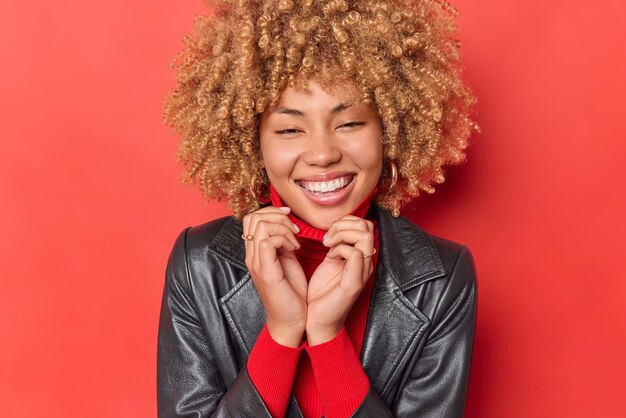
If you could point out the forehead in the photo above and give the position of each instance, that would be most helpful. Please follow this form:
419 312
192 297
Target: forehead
314 91
313 98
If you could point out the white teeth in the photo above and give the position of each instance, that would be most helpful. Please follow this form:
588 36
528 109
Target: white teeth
326 186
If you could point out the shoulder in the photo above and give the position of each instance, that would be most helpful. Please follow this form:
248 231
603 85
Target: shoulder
457 259
214 235
449 292
457 288
203 235
201 249
199 237
441 268
440 257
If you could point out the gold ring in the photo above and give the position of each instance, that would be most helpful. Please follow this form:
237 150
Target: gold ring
247 237
368 256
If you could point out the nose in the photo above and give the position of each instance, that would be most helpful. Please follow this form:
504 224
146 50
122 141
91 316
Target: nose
322 150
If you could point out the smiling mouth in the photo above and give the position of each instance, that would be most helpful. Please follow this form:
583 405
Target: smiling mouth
326 187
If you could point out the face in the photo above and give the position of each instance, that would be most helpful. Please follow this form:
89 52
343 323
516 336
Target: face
322 154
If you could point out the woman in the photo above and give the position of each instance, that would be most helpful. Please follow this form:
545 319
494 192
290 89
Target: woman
317 122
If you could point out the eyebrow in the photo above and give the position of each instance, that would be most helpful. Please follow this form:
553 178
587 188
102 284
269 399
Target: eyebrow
295 112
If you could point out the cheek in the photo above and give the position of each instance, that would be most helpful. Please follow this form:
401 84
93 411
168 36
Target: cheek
279 160
368 155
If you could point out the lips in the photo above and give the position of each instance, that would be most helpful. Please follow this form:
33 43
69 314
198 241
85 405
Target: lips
336 196
326 186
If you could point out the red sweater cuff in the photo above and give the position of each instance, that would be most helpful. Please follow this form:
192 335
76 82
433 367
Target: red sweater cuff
272 369
340 378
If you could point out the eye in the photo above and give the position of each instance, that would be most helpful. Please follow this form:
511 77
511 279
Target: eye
287 131
351 124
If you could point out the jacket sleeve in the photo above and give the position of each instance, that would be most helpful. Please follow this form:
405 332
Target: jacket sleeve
188 380
437 384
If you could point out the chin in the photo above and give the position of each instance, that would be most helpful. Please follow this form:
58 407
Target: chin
321 224
322 218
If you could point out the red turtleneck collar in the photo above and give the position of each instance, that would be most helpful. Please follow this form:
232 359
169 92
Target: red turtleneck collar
308 231
312 246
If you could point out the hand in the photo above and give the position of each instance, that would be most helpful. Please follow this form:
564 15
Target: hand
276 273
340 278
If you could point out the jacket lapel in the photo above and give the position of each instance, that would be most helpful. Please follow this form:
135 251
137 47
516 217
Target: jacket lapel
242 305
244 312
395 327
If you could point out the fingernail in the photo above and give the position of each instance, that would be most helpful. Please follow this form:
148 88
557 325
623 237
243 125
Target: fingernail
295 228
325 237
284 209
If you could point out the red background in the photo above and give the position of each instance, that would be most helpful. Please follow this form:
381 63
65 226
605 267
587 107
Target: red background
90 205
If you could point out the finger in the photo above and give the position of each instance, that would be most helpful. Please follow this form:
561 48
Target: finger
266 210
345 251
290 243
247 243
352 280
273 217
264 229
350 222
250 220
266 257
364 241
355 218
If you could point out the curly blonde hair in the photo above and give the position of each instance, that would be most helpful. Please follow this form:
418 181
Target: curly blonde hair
400 55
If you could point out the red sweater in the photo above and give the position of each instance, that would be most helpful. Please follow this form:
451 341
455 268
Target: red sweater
328 379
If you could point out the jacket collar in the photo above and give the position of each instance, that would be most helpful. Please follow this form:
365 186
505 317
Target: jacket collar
410 255
395 326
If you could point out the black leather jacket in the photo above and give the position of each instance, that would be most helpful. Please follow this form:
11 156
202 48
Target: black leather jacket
418 340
